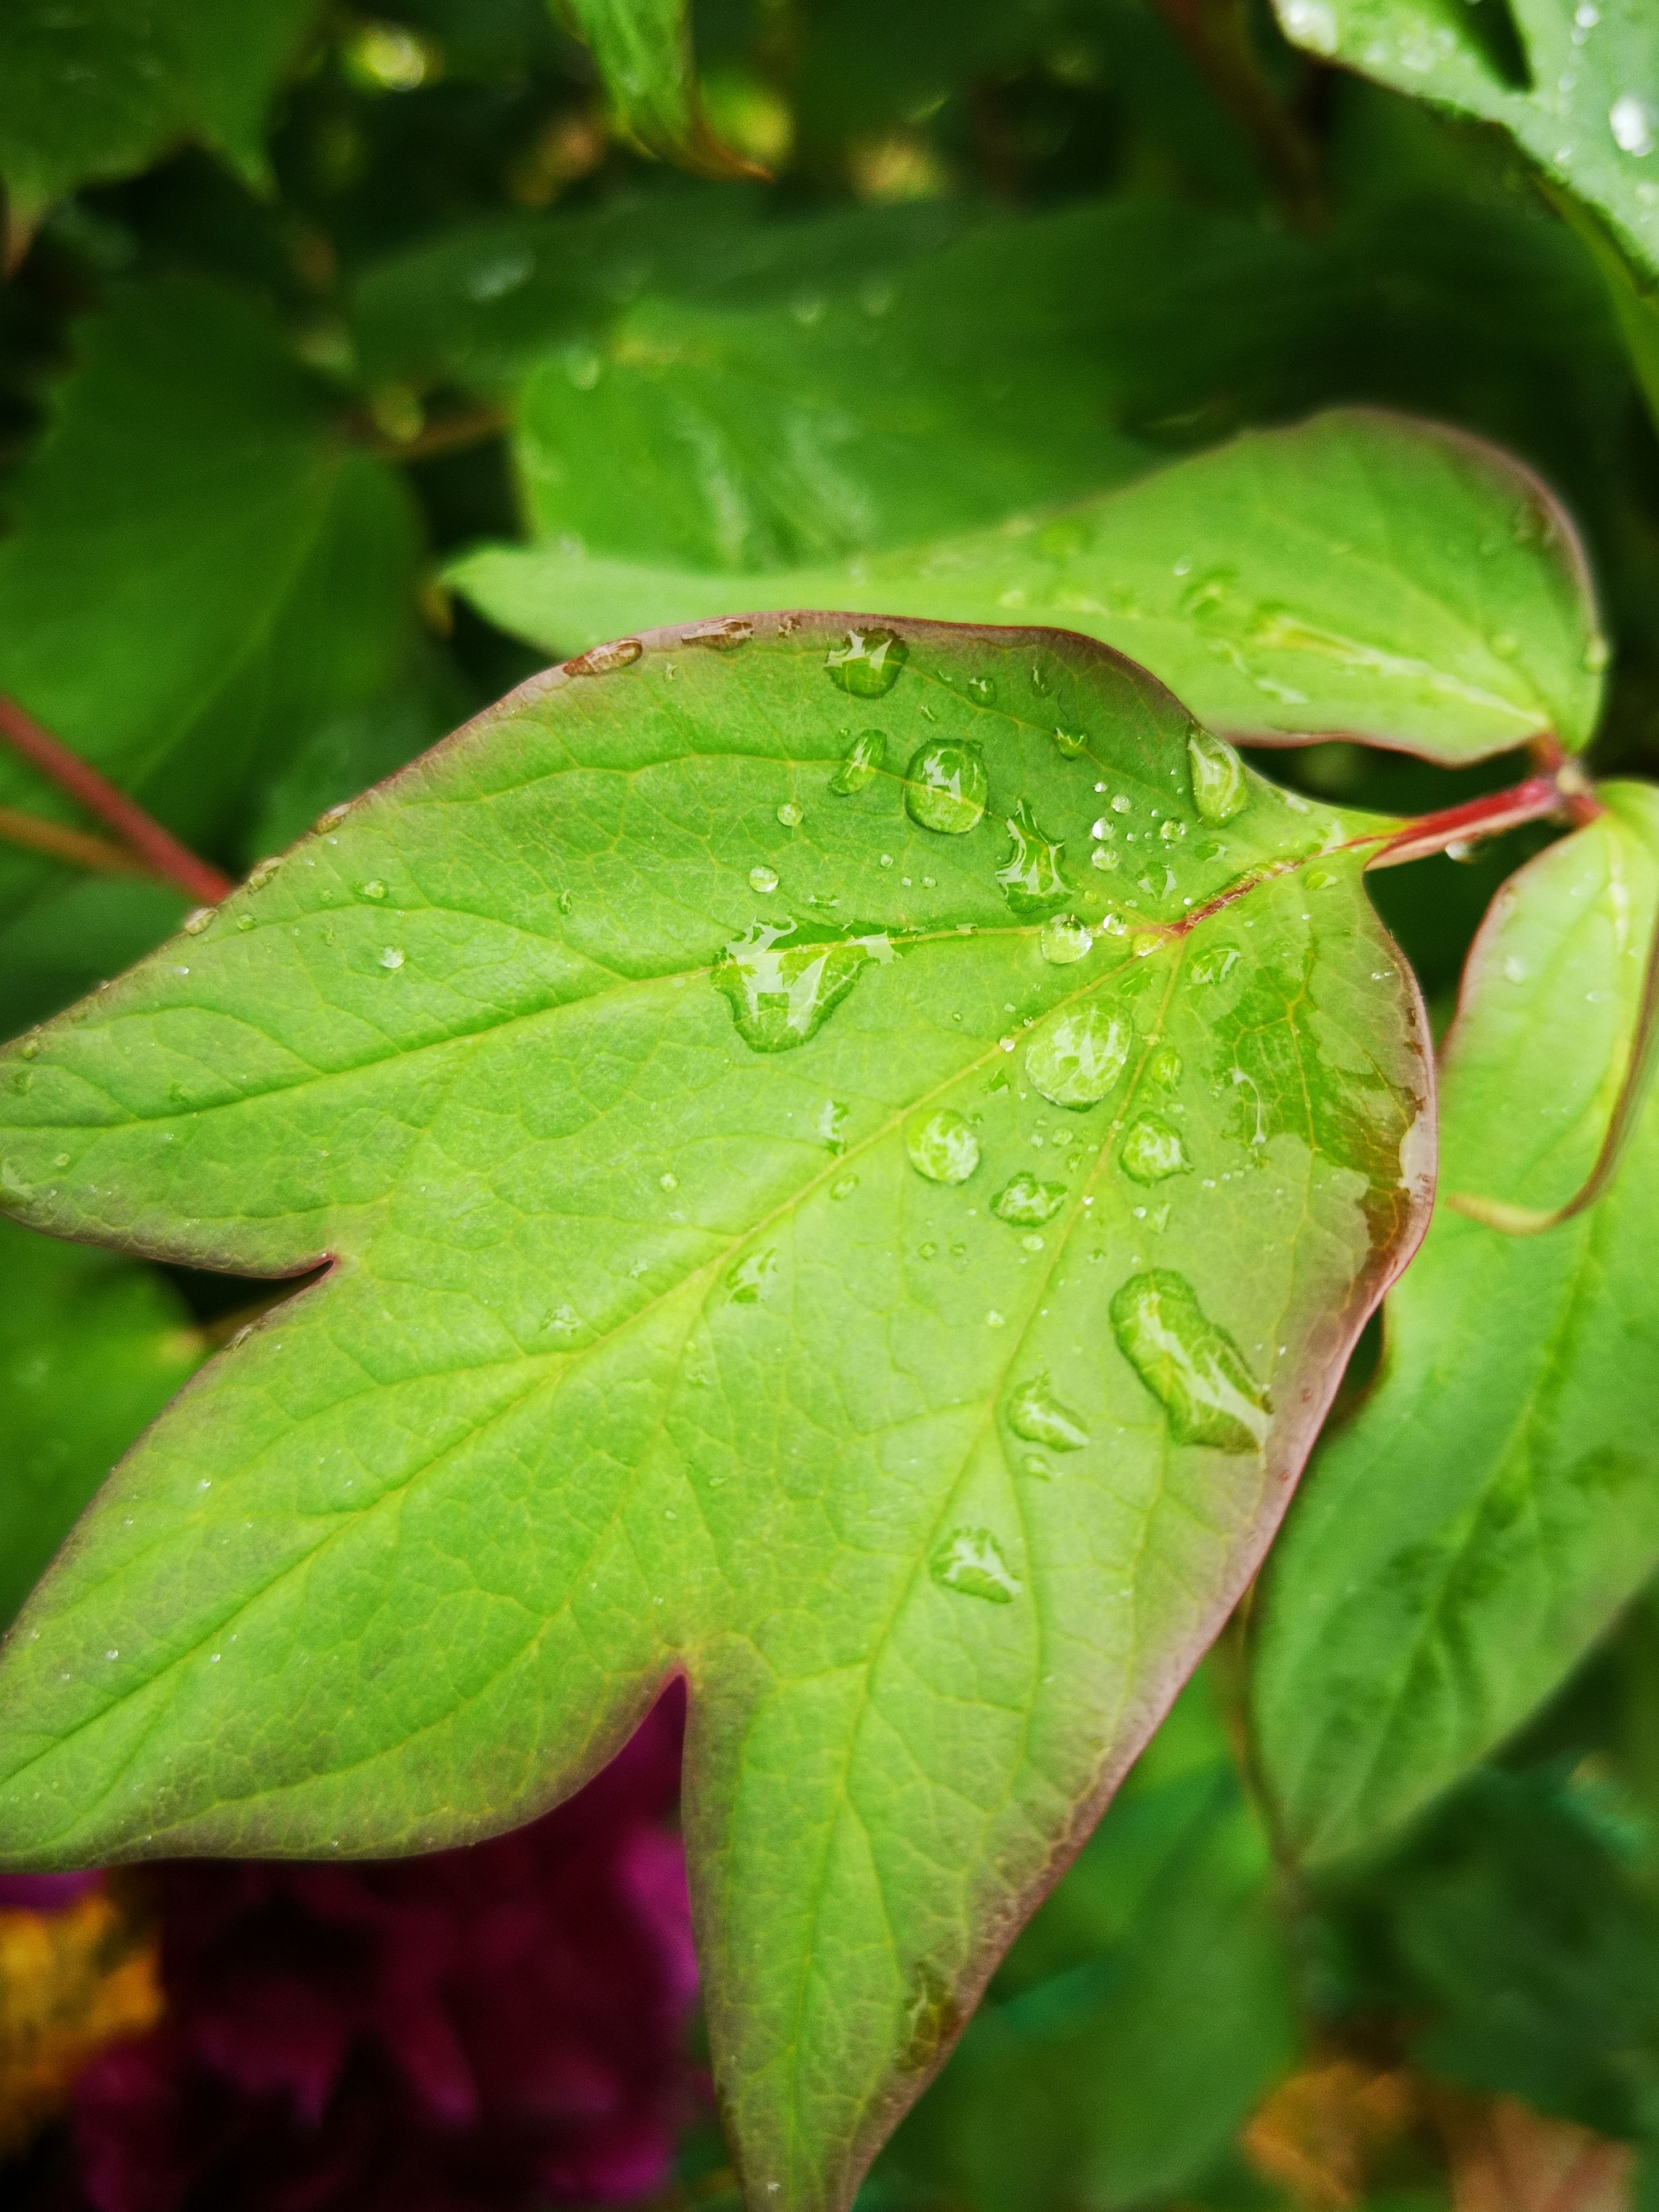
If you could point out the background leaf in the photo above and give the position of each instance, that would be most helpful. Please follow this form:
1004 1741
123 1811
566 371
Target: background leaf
715 1290
1360 574
92 1346
643 48
1487 1511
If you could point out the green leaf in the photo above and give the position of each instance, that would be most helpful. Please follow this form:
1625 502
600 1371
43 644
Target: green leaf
718 1288
1576 87
197 570
643 48
1360 574
98 90
1089 2075
1464 1538
92 1346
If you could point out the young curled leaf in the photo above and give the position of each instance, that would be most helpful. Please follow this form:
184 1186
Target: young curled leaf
643 48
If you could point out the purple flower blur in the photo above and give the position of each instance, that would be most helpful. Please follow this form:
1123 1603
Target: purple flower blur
477 2031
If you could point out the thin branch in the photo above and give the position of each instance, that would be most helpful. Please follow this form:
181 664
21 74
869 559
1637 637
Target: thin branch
1532 1221
78 848
445 434
139 832
1565 793
1215 34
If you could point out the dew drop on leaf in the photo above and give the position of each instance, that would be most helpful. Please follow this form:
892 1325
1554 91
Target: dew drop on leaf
862 764
262 871
981 688
843 1186
391 956
1634 123
1152 1150
1031 876
782 988
970 1561
605 659
789 814
1191 1366
749 1279
1219 790
1215 963
1063 938
373 889
668 1181
1071 742
724 636
1076 1057
1035 1414
1166 1066
1104 857
763 879
1034 1464
942 1147
198 919
868 663
1145 943
945 787
1028 1203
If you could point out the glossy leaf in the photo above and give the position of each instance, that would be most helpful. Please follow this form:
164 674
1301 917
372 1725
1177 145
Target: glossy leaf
1576 85
92 1346
197 570
772 1241
1361 574
643 48
98 90
1476 1525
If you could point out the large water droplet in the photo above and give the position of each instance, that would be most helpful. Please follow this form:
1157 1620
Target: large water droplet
970 1560
1064 938
1028 1203
749 1281
724 636
945 787
942 1147
782 988
1219 790
1031 876
1634 123
1215 963
868 664
1077 1056
605 659
1071 743
789 814
862 764
763 879
1104 857
1192 1367
1152 1150
1037 1414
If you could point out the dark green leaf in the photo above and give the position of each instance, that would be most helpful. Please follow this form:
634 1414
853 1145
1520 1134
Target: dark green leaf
729 1190
643 48
1480 1520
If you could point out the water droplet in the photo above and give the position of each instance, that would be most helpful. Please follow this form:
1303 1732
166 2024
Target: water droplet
1031 1243
1152 1150
789 814
1040 683
1104 857
945 787
1072 742
993 1319
981 689
605 659
942 1147
1034 1464
60 1159
1164 1067
1215 963
1121 804
763 879
1633 124
1064 938
868 664
862 764
1323 879
1112 924
749 1280
1597 654
1035 1414
392 956
565 903
1192 1367
782 988
970 1560
721 636
927 1251
1219 790
668 1181
373 889
1145 943
1311 23
1030 877
198 919
1077 1056
831 1125
30 1048
332 819
1027 1203
844 1186
262 871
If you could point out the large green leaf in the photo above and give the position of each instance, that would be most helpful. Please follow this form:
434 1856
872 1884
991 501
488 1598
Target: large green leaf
796 1220
197 570
99 89
1089 2075
1360 574
92 1347
1492 1505
1576 83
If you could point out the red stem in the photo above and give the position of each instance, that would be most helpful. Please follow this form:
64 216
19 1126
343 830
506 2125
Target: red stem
142 836
1531 801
